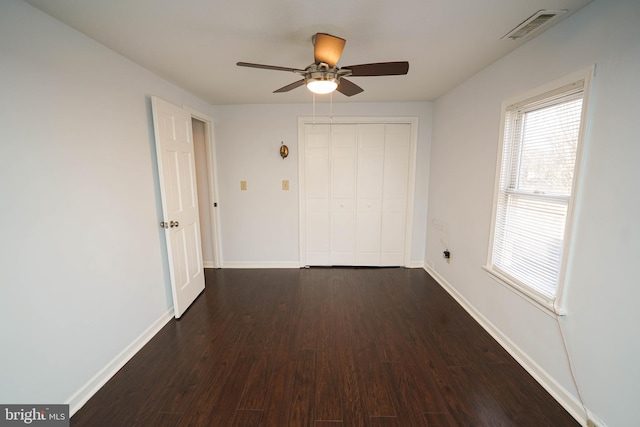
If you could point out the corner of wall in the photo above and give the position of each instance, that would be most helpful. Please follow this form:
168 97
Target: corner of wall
557 391
82 396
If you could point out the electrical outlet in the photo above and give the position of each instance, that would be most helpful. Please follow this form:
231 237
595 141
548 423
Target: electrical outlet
243 185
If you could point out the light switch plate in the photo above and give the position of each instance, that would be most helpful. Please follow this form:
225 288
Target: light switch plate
285 184
243 185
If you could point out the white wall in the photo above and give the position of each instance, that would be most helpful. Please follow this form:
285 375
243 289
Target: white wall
602 293
259 226
82 270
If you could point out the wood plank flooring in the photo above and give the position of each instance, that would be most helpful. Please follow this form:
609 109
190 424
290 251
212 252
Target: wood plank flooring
322 347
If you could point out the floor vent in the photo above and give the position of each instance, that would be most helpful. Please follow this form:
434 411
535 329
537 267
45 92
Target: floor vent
542 18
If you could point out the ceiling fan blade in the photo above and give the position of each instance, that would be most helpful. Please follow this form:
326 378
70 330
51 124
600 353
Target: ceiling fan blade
327 48
379 69
268 67
289 87
348 88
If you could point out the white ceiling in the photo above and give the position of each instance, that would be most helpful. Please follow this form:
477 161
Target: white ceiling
196 43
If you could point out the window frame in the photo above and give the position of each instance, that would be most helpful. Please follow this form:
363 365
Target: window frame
554 305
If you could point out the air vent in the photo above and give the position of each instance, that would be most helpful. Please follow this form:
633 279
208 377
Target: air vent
534 22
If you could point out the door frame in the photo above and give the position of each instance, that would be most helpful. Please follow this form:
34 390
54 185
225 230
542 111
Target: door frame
302 121
212 178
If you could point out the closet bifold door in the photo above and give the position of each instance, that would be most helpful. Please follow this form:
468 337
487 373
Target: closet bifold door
356 192
317 180
370 174
343 193
395 193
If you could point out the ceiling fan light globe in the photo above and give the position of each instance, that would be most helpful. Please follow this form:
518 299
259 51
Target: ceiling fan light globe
322 87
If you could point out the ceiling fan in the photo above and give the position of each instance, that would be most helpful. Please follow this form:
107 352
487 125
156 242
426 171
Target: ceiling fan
324 76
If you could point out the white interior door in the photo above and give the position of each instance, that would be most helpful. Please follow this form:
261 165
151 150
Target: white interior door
176 166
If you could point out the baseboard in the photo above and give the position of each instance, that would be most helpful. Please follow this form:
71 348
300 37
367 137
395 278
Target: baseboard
208 264
594 421
557 391
242 264
416 264
80 397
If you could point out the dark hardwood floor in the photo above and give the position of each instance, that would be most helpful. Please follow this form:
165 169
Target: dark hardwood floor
323 347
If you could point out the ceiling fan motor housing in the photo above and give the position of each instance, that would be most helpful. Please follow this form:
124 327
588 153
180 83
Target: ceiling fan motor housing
320 78
318 73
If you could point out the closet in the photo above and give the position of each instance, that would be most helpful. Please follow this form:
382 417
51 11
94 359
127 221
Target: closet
355 193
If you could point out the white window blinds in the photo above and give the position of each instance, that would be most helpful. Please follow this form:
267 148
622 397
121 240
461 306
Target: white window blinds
535 186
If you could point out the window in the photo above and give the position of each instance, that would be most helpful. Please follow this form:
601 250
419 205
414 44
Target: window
535 188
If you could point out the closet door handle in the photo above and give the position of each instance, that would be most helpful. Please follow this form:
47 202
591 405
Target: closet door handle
174 224
164 224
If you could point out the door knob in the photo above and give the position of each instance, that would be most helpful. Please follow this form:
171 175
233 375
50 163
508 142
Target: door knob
174 224
164 224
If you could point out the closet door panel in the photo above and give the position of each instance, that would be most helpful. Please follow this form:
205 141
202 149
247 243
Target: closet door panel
368 238
343 177
392 239
317 199
343 193
318 178
343 238
318 243
396 161
395 193
371 147
370 168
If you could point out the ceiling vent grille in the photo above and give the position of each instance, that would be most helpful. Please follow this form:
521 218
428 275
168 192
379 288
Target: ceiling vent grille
542 18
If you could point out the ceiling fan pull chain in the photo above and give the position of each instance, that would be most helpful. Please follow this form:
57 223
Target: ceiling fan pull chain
331 108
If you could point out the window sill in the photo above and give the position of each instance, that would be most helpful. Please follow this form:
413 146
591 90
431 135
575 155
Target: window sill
539 301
